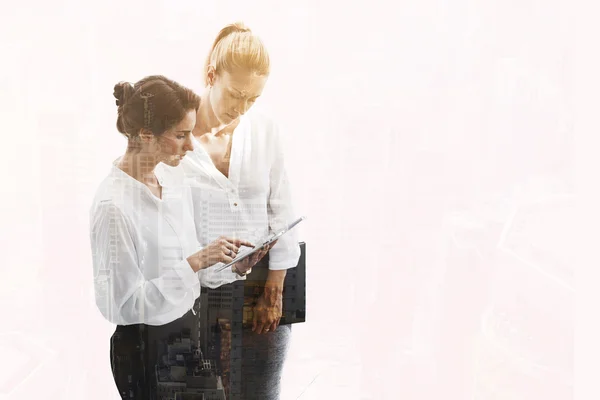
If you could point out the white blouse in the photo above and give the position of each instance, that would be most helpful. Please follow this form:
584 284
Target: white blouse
254 201
139 247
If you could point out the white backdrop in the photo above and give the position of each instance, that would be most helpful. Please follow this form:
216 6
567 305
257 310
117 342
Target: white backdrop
429 143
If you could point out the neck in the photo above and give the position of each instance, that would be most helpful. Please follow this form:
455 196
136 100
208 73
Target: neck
140 166
206 120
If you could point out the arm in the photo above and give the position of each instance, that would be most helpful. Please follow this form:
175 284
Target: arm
286 252
123 295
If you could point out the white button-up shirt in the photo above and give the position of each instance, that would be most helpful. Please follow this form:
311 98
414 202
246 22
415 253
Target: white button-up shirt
254 200
140 245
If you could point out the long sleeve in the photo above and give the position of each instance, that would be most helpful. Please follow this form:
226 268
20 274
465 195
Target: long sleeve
286 252
123 295
209 277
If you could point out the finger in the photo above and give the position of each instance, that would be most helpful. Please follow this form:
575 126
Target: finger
268 326
263 253
259 328
231 249
240 242
273 325
228 242
228 252
257 259
254 322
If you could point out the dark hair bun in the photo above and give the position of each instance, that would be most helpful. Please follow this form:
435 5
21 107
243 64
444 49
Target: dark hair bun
122 92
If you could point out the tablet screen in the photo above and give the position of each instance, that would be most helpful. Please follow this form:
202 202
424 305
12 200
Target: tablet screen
265 242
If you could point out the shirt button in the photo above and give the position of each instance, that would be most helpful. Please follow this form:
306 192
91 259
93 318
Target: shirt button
235 204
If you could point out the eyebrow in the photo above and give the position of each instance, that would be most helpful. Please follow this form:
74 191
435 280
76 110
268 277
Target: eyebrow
241 92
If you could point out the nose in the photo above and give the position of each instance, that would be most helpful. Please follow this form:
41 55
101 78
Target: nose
188 145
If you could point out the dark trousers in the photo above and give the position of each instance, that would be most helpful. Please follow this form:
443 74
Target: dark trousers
129 359
134 355
258 370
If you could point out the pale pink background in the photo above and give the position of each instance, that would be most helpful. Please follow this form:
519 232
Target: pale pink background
429 143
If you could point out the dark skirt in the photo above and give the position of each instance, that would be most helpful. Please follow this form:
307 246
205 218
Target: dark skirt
263 364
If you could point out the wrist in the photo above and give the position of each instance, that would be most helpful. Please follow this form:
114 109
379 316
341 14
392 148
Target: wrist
195 262
272 294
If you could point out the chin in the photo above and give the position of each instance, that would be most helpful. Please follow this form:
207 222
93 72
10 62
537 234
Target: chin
226 119
172 162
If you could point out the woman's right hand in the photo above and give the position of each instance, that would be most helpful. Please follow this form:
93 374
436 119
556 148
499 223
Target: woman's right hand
224 250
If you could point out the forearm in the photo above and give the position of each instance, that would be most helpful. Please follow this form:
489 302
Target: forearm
274 285
276 277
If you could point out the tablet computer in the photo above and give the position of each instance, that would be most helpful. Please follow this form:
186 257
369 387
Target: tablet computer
263 243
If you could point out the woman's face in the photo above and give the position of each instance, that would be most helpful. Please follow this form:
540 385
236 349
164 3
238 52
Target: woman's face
174 143
232 94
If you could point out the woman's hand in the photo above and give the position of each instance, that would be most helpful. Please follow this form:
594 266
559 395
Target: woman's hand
224 250
268 309
246 265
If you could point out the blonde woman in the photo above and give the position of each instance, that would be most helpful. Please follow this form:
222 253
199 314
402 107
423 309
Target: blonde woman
240 189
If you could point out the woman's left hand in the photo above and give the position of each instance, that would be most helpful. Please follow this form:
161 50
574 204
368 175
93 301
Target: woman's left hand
267 311
247 264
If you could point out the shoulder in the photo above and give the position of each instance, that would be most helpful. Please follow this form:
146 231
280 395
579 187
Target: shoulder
261 122
106 192
110 200
264 131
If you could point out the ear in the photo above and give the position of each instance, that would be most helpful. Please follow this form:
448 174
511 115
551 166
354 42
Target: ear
211 74
146 136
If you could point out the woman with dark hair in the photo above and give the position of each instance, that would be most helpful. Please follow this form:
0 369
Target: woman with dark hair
148 265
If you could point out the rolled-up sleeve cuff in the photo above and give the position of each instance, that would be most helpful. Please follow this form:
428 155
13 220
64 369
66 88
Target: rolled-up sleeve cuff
186 273
212 279
281 266
231 276
289 261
